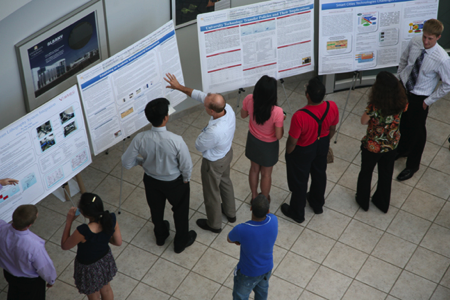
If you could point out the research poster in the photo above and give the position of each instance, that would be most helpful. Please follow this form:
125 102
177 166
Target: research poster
239 45
115 92
43 150
368 34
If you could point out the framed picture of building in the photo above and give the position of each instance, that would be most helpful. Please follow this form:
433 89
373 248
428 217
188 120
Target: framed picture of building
184 12
50 59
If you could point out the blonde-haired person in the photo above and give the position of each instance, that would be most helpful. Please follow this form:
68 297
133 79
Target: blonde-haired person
94 264
421 66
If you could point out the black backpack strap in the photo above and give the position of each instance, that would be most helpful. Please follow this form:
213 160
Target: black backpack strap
317 119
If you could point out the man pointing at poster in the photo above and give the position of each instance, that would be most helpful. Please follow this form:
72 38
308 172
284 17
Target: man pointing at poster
421 66
214 142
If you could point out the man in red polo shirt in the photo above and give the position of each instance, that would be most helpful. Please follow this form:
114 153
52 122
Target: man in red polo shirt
306 151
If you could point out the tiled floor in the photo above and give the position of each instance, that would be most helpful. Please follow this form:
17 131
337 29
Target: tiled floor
345 253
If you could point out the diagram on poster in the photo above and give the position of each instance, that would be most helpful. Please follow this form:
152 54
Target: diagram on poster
363 35
43 150
239 45
116 91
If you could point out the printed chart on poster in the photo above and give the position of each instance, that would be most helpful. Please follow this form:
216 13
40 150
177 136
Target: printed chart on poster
239 45
115 92
368 34
43 150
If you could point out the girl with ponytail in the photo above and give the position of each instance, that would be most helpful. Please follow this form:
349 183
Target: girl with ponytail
94 264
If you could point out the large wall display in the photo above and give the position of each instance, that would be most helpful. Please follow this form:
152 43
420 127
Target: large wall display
184 12
368 34
51 58
116 91
43 150
239 45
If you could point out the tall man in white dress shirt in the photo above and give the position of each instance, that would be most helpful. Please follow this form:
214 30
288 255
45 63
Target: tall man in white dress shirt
168 166
214 142
421 66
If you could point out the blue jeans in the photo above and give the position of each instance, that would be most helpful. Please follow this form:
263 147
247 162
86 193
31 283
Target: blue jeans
243 286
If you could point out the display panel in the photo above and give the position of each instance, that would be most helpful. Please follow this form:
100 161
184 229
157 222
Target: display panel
115 92
365 35
43 150
239 45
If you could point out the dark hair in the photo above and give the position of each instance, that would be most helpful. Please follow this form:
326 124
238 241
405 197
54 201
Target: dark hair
156 110
91 205
24 216
264 99
315 90
387 94
260 206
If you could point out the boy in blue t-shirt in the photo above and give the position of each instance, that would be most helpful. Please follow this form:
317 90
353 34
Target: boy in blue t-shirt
256 238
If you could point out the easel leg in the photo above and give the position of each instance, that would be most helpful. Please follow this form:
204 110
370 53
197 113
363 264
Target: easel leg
241 90
285 94
356 75
80 183
121 181
66 191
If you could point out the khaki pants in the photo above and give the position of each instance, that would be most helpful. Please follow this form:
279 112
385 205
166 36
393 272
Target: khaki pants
217 189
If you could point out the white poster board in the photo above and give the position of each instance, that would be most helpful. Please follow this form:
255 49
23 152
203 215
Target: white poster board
115 92
43 150
371 34
239 45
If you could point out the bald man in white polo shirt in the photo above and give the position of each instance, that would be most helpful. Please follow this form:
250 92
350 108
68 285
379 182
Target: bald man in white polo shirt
214 142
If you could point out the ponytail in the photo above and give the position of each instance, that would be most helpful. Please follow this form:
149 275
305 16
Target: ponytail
106 222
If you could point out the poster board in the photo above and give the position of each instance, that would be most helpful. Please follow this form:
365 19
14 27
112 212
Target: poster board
115 92
50 59
239 45
43 150
371 34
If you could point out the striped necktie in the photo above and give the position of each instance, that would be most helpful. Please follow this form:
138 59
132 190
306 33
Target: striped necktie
415 72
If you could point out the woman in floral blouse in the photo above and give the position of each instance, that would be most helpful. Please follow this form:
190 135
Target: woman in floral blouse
387 101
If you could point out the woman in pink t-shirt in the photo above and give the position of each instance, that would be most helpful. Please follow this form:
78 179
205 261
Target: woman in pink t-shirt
265 130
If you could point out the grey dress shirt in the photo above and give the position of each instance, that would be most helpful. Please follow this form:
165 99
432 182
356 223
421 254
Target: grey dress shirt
435 66
165 155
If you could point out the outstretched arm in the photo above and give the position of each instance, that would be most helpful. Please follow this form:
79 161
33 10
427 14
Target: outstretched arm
9 181
69 241
175 85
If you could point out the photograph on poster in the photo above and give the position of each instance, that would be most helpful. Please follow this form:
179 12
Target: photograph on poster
50 59
47 142
64 54
66 115
44 129
185 12
70 128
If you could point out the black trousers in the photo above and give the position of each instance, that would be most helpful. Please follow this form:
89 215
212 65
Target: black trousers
382 196
413 131
177 193
300 163
22 288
